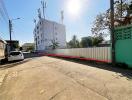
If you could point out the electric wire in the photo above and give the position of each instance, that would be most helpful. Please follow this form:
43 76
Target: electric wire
3 12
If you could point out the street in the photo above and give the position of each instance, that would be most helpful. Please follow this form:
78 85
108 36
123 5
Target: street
47 78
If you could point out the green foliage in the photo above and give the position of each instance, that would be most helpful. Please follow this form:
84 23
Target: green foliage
86 42
74 43
97 40
54 44
102 21
20 48
15 45
31 48
130 8
118 7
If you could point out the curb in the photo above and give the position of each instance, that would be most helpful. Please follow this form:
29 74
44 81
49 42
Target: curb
2 76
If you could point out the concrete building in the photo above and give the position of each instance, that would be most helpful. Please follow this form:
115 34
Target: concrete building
47 31
28 46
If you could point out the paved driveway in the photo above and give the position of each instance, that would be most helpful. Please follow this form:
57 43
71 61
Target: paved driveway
47 78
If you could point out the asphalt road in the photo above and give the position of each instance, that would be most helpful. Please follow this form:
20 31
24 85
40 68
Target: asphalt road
46 78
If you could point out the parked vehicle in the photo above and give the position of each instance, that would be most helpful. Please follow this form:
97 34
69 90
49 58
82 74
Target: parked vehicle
15 56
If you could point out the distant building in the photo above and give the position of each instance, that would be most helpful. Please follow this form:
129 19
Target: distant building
47 31
105 43
14 43
28 47
2 49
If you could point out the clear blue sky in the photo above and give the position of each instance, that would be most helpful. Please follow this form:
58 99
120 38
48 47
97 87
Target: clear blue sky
79 25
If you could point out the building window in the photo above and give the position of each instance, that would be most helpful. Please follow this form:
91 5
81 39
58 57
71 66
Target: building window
38 32
41 28
38 42
38 37
56 39
45 39
37 27
55 28
40 23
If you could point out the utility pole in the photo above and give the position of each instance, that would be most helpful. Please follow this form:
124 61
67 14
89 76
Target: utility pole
10 32
121 8
112 31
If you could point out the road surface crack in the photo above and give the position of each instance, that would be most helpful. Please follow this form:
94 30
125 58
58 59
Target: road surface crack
91 89
57 94
67 74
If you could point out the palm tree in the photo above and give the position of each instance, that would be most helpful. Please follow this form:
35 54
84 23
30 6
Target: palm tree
54 44
74 43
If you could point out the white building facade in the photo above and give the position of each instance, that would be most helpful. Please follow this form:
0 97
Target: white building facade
46 32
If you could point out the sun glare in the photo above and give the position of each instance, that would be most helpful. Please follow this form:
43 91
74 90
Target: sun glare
74 7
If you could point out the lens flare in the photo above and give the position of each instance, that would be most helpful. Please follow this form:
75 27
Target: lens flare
74 7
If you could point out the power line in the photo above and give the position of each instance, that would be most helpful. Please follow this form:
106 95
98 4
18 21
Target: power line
3 11
3 15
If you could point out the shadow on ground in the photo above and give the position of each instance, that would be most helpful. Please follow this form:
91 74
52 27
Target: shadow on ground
12 64
31 55
27 56
123 70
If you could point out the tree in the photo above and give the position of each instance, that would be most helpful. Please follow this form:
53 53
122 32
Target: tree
101 25
31 48
74 43
97 40
20 48
15 45
129 11
125 13
86 42
54 44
